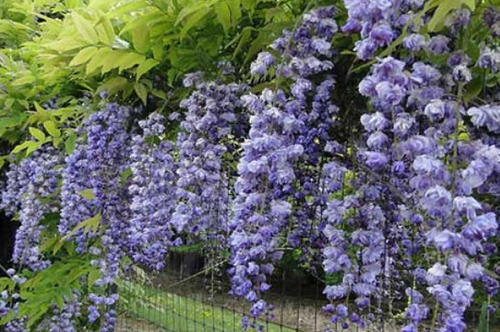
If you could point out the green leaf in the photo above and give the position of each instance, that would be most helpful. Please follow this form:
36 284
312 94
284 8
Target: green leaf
21 147
142 20
474 88
59 301
87 193
245 36
33 146
37 133
158 51
71 4
141 91
471 4
483 318
84 28
113 85
235 6
223 15
194 19
159 93
12 121
91 224
125 175
83 56
70 143
36 315
7 318
51 128
193 9
445 7
144 67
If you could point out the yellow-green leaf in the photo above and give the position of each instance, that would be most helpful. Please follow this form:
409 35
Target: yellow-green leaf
85 28
65 44
158 51
92 277
109 61
223 15
83 56
445 7
105 31
126 8
140 38
194 19
143 20
473 89
141 91
471 4
129 59
235 6
87 193
144 67
97 59
21 147
51 128
159 93
69 145
33 146
12 121
113 85
37 133
28 78
91 224
57 141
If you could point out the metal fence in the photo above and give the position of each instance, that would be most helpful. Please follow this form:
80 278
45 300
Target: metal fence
188 298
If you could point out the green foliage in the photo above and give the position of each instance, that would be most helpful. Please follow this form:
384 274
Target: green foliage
50 287
47 287
64 49
89 225
444 7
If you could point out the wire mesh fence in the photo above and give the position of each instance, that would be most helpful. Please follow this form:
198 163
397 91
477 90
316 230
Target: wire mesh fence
191 297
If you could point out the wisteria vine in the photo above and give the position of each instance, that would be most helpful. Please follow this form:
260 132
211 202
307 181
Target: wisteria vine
403 213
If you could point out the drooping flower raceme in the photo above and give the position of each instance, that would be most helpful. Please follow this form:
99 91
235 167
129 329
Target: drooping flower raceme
149 233
208 131
92 191
282 156
29 185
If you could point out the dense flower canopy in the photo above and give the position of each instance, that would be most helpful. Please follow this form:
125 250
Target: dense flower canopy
384 177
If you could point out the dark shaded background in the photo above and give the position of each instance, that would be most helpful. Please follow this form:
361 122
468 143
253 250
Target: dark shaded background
7 233
7 226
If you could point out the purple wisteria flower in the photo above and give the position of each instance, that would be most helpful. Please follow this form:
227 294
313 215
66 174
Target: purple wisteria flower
29 186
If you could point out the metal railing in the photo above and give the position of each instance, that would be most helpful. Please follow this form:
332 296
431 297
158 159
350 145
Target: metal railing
198 300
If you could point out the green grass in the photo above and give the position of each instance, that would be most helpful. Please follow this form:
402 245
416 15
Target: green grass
179 313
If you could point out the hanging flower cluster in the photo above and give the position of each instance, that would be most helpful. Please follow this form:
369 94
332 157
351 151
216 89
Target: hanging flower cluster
149 233
281 156
202 183
415 188
92 190
29 185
